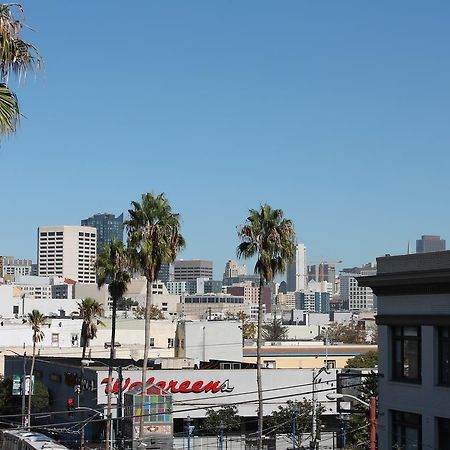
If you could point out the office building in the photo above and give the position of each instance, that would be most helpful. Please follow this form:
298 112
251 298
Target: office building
233 269
108 228
296 271
249 291
191 269
429 243
67 251
413 320
11 268
353 296
164 273
323 271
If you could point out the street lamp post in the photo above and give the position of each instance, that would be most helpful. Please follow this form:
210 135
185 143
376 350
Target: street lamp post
373 414
313 443
24 377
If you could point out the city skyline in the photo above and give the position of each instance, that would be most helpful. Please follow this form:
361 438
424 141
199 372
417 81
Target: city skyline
229 106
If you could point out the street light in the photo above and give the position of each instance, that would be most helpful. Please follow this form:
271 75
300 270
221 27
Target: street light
24 377
373 414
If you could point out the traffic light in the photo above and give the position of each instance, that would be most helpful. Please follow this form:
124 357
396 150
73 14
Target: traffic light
70 406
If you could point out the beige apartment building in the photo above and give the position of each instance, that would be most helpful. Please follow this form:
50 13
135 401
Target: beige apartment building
67 251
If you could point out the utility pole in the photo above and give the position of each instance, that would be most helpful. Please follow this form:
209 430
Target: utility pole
24 377
221 436
373 423
120 407
294 431
189 429
312 445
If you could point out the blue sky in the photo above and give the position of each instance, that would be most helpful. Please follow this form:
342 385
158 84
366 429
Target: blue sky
337 112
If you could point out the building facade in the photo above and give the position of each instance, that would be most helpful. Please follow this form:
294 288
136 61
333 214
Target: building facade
296 278
354 297
186 270
430 243
11 268
413 320
67 251
108 228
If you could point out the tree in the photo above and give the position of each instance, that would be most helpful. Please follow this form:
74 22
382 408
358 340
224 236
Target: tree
367 360
248 327
125 304
348 333
17 57
281 421
156 313
36 320
139 312
12 404
270 237
90 311
112 267
274 331
154 238
226 416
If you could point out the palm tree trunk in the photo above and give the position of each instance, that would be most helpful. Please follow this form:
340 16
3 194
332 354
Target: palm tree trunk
148 305
31 387
112 356
258 365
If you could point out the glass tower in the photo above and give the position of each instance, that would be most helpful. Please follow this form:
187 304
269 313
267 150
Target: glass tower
108 228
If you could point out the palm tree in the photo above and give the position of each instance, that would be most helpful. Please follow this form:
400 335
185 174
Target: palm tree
90 310
270 237
17 57
36 320
154 238
111 267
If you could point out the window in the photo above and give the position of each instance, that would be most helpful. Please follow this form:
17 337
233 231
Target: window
55 339
443 426
406 354
269 364
170 342
15 310
74 339
152 342
444 356
330 363
406 430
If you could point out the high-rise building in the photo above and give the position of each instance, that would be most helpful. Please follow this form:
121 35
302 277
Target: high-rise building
67 251
296 278
323 271
191 269
430 243
353 296
233 269
164 273
108 228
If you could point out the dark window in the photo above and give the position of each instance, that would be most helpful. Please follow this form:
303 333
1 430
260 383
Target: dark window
444 355
406 430
443 426
406 354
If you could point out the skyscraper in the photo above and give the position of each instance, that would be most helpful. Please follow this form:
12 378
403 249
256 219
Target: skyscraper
108 228
67 251
430 243
296 272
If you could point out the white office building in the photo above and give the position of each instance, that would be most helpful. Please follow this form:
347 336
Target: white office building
67 251
296 274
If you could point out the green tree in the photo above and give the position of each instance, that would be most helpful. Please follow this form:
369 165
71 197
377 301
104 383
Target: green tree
17 58
139 312
359 429
367 360
90 311
112 268
156 313
36 320
270 237
347 333
281 421
226 416
248 326
154 238
12 404
274 331
125 304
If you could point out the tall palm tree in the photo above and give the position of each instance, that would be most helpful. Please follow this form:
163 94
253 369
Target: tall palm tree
154 238
270 237
90 310
112 267
17 57
36 320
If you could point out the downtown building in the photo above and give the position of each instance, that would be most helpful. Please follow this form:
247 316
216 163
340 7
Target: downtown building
430 243
296 276
67 251
191 269
354 297
108 228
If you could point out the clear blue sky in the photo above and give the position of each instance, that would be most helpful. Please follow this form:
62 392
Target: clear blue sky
336 111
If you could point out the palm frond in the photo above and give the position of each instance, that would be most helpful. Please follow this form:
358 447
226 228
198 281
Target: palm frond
9 110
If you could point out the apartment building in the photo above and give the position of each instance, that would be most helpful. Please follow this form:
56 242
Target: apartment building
11 267
191 269
413 320
67 251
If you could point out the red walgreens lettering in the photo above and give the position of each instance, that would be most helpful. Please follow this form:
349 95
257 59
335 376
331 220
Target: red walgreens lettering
174 386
